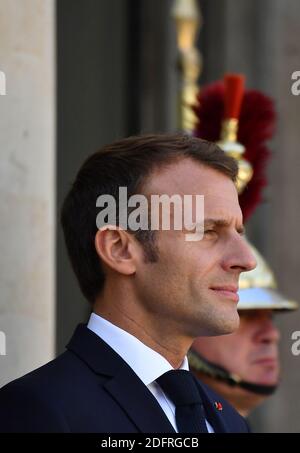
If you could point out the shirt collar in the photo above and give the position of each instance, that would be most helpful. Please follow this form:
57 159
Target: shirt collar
147 364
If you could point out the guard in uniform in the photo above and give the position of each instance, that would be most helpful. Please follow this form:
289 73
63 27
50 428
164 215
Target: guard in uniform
244 366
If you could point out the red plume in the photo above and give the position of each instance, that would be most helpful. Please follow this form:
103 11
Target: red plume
234 91
256 126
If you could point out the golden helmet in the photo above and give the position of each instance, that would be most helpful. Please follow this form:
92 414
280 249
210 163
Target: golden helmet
258 288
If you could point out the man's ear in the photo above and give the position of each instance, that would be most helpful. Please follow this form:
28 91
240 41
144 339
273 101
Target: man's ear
117 249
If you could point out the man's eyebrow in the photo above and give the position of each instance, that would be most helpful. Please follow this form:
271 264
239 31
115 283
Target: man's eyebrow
222 223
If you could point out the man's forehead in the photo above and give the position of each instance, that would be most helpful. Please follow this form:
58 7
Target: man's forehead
189 177
223 210
221 206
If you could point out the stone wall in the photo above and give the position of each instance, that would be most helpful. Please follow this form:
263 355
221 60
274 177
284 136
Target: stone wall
27 185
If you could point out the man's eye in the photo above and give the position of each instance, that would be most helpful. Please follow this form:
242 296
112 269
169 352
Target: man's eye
210 232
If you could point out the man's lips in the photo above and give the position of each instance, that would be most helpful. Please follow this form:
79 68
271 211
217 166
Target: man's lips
228 291
267 361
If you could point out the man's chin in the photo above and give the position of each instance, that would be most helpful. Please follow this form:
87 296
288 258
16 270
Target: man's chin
214 322
268 379
227 324
224 318
225 328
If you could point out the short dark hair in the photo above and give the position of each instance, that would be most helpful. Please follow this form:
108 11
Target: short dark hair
124 163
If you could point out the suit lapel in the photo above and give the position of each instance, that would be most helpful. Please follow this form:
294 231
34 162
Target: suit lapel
138 402
215 417
122 384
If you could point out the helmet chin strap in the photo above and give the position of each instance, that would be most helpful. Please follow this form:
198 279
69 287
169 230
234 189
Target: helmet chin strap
198 363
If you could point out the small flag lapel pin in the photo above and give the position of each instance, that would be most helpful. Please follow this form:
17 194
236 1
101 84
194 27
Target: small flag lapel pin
218 406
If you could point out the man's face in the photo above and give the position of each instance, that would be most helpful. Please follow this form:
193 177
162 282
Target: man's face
192 288
251 351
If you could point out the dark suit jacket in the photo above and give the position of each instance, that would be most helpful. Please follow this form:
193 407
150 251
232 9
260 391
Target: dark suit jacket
90 388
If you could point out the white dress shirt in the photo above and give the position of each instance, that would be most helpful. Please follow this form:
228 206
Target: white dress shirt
147 364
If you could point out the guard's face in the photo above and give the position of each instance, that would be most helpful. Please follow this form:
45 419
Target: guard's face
251 351
192 287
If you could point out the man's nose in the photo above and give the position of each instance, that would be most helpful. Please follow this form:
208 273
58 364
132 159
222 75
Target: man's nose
267 332
240 257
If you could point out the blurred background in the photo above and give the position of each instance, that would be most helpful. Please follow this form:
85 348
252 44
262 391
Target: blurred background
81 73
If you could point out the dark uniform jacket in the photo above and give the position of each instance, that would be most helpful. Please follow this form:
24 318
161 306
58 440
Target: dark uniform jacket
90 388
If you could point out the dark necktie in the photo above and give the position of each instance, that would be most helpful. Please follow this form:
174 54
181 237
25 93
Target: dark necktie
181 388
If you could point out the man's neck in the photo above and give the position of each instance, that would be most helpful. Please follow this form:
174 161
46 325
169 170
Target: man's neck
150 332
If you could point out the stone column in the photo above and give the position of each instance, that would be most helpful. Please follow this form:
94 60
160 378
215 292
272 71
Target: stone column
27 186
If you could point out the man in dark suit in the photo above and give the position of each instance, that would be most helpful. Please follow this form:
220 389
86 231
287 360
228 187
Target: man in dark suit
152 291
